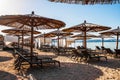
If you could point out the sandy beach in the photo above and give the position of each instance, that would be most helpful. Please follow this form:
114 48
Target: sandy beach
69 70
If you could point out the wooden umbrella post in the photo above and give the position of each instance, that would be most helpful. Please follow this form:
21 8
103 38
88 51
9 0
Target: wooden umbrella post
58 38
31 47
117 41
18 41
102 41
65 42
22 40
44 39
84 39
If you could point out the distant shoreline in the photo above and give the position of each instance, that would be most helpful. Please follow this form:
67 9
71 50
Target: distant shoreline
110 40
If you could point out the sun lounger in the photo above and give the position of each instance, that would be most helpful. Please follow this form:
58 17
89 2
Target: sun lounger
109 51
89 56
117 52
22 59
76 55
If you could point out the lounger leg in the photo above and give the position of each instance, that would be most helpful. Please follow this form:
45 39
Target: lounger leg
98 58
59 64
106 58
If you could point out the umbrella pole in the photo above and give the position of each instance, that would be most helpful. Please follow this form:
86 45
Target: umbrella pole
102 41
22 39
117 41
18 41
31 47
54 42
84 41
58 41
74 44
44 39
65 42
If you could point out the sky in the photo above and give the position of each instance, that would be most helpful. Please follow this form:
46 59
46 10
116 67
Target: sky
71 14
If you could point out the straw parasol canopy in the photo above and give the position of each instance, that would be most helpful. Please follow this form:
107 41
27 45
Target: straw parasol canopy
86 27
82 35
19 32
44 36
115 32
59 33
87 2
81 38
15 31
31 21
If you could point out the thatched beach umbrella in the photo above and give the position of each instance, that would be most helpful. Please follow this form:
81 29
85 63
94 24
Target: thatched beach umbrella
44 36
115 32
59 33
86 2
86 27
104 36
81 36
31 21
19 32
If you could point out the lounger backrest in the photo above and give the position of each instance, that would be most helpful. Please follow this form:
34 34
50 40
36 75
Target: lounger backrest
78 47
75 52
108 50
98 48
117 51
85 53
103 48
21 56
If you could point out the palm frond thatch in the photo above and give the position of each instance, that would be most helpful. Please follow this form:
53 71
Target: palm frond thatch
86 2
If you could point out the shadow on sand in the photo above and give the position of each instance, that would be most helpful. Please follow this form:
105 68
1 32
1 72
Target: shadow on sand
48 56
7 76
67 71
110 63
3 58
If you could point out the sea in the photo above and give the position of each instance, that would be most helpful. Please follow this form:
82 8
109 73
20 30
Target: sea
92 45
111 45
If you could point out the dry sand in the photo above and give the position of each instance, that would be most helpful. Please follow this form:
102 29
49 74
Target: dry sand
69 70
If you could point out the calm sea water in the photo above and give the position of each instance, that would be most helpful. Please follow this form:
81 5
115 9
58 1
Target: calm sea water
111 45
92 45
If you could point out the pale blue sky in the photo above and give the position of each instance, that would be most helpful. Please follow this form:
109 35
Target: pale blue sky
71 14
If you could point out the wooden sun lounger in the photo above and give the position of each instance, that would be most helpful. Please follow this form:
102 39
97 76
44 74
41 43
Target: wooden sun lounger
22 60
35 61
94 55
86 55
